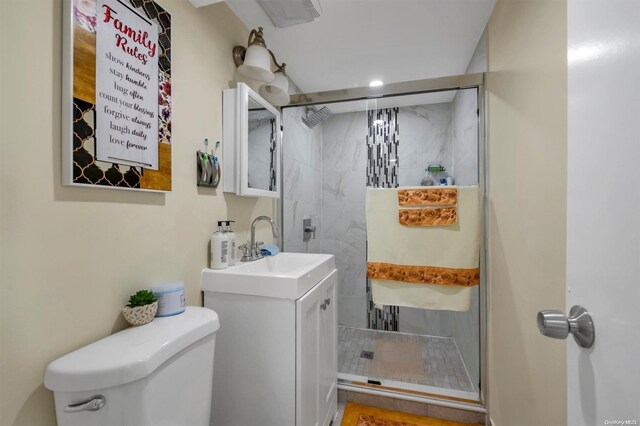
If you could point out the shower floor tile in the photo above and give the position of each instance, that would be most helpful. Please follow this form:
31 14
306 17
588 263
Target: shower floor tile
409 358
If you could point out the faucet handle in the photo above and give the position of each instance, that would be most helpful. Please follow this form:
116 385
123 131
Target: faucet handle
310 230
256 248
246 252
307 229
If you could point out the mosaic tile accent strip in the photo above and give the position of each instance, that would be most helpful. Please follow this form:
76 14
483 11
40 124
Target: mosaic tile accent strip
423 274
441 361
428 197
428 217
383 139
386 318
272 150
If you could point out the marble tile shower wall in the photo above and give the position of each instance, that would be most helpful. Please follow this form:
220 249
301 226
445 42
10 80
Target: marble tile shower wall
425 135
344 162
302 190
259 146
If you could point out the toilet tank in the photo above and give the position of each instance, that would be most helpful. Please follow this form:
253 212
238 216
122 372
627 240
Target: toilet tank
156 374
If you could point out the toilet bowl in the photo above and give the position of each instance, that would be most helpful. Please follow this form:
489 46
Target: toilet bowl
156 374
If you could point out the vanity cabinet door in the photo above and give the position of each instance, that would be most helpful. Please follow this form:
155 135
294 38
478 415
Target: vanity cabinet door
308 323
316 354
329 350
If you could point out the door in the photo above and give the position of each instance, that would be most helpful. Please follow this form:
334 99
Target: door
603 208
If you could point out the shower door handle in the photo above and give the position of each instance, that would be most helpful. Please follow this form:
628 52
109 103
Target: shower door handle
555 324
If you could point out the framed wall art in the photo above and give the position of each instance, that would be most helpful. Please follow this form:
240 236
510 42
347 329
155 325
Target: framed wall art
116 95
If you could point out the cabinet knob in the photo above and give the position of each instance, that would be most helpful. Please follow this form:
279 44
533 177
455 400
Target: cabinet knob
326 303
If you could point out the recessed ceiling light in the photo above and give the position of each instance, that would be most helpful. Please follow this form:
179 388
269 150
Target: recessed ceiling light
376 83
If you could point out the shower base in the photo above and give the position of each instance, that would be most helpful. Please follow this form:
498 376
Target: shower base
405 361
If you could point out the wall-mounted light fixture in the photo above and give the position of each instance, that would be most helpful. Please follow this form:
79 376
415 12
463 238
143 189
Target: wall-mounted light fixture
254 62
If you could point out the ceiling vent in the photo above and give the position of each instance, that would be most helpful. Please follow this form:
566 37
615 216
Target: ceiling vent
287 13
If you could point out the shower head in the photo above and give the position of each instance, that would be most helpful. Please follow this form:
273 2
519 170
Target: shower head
317 117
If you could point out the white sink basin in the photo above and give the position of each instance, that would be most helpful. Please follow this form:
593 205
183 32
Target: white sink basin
285 275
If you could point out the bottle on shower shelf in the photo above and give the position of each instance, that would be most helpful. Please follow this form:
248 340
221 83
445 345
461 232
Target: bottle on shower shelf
427 180
434 174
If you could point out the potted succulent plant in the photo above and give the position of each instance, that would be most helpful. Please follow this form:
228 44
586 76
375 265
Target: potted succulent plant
141 309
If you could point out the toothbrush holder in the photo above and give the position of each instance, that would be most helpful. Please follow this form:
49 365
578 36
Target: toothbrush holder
208 174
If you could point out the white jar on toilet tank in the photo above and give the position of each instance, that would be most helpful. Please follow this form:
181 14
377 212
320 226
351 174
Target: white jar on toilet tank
170 297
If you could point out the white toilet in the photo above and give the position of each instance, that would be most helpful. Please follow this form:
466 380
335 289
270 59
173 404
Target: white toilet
156 374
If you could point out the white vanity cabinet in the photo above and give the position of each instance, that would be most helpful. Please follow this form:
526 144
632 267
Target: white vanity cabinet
276 353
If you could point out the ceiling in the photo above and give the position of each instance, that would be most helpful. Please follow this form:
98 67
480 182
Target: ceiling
357 41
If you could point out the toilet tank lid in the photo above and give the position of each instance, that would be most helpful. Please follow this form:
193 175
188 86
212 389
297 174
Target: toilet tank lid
131 354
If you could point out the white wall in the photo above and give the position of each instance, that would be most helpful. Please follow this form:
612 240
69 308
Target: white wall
70 257
527 138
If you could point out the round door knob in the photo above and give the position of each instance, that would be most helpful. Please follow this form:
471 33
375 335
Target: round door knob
555 324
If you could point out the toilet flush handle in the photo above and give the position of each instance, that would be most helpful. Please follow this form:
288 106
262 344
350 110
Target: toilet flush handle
93 404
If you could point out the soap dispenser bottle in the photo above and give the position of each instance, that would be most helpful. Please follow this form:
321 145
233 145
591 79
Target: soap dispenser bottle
219 248
231 238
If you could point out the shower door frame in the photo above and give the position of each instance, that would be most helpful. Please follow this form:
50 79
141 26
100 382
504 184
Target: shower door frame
441 84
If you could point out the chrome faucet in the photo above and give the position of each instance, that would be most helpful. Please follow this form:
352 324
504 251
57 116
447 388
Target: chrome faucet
251 251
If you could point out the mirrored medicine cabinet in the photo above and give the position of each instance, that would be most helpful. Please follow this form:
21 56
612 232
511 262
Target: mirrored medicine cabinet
251 144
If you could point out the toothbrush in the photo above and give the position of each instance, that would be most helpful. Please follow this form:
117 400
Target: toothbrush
215 157
216 167
216 149
204 163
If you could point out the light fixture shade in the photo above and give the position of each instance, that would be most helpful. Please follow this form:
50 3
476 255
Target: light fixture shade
276 92
257 64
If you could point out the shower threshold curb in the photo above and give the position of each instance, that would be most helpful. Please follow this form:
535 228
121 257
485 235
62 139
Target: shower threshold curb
385 391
